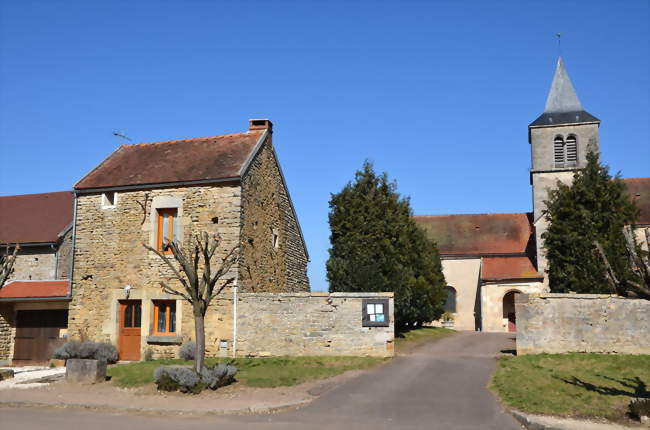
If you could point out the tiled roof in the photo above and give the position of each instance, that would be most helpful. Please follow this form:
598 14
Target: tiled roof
508 268
639 190
30 218
34 289
205 158
478 234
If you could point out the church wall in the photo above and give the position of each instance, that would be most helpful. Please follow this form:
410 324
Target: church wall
492 302
463 275
561 323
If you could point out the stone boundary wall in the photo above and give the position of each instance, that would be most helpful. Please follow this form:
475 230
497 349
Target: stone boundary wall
560 323
304 324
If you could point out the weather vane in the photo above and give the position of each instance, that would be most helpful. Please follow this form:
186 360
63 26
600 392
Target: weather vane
559 43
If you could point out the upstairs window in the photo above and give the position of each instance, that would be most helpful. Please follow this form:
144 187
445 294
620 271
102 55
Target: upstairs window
164 317
109 199
571 150
558 149
167 228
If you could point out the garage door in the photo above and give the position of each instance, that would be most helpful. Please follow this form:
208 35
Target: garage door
37 335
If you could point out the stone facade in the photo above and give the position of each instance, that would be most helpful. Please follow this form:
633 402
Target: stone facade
109 254
46 262
254 213
464 276
494 306
274 255
6 331
561 323
302 324
64 256
35 263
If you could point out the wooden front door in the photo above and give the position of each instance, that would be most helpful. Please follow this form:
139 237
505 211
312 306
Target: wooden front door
130 327
37 335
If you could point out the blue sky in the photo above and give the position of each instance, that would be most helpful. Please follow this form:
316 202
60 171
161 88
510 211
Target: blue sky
439 94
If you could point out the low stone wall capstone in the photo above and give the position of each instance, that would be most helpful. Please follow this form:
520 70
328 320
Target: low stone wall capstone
302 324
560 323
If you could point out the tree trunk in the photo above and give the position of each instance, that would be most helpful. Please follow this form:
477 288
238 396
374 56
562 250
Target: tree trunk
199 331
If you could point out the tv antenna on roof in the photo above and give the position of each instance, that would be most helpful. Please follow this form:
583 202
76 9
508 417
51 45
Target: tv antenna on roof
122 135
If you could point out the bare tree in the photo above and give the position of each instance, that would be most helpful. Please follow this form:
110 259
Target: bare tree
7 261
201 281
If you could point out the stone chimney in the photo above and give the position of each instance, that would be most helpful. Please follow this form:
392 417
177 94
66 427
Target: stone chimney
260 124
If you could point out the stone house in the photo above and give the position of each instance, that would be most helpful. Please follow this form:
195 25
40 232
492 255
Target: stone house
229 185
34 300
488 259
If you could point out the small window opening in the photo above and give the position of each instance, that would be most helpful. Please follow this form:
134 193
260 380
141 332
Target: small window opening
109 199
276 238
215 220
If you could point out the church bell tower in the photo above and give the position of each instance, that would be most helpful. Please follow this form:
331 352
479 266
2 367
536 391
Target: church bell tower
560 139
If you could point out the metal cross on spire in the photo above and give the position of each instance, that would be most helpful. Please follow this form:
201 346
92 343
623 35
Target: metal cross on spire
559 43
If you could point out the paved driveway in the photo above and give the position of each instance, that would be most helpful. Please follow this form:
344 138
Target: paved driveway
439 386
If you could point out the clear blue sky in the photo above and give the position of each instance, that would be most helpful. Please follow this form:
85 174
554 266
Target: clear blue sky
439 94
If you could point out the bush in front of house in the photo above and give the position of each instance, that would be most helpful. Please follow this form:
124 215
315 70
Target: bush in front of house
87 350
639 408
218 376
187 351
185 379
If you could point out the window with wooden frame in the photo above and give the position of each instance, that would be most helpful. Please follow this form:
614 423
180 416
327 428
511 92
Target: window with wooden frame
164 317
167 229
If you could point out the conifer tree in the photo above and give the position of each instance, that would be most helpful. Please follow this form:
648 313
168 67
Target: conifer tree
376 246
593 210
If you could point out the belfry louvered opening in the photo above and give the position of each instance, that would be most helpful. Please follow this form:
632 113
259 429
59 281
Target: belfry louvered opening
571 150
558 148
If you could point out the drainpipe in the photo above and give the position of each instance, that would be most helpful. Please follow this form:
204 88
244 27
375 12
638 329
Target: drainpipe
234 319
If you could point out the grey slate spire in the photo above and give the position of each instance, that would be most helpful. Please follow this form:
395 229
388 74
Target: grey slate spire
562 97
562 103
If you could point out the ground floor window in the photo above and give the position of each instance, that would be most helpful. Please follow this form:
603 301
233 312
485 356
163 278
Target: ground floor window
450 303
164 316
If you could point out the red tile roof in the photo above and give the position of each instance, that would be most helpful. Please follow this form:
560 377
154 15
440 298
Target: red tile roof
34 289
508 268
32 218
206 158
478 234
639 190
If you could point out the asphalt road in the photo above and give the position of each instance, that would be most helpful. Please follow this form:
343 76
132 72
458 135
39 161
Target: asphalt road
441 385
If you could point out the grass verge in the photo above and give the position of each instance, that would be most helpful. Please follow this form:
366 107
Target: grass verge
407 340
253 372
580 385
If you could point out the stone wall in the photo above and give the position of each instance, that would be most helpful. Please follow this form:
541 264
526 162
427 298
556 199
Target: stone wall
6 331
303 324
35 262
560 323
267 212
64 256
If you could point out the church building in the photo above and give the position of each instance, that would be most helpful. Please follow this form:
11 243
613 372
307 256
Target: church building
489 258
